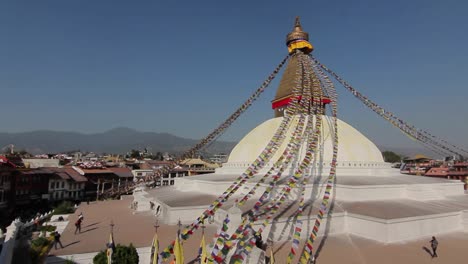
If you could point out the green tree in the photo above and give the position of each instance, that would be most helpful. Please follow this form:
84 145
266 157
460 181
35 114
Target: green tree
64 207
121 255
135 154
390 156
159 156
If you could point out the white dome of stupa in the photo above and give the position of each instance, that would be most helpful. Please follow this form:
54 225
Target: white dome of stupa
354 149
352 145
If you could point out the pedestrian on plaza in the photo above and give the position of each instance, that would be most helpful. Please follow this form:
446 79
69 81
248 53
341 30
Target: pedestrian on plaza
259 241
78 225
434 244
81 217
57 240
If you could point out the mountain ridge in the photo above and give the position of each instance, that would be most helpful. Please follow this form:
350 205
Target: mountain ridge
120 140
117 140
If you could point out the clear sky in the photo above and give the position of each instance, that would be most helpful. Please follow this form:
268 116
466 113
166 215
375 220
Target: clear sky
183 66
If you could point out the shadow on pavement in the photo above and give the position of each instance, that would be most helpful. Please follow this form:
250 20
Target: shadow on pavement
427 250
72 243
91 229
92 224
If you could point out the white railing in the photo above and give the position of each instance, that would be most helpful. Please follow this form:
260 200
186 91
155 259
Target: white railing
9 239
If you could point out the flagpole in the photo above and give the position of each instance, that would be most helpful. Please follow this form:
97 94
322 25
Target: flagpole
110 245
202 250
178 249
156 225
155 245
272 256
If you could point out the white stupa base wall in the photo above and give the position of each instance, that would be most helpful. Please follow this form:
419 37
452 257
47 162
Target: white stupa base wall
403 229
344 192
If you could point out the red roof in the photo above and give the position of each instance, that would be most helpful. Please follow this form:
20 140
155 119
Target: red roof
67 173
444 171
96 171
5 161
121 172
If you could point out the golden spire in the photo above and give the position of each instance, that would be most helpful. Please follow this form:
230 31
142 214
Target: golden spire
297 33
298 39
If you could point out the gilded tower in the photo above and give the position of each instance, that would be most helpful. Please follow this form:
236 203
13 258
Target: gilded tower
296 41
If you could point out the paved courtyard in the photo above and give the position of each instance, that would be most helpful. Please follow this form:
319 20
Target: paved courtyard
138 229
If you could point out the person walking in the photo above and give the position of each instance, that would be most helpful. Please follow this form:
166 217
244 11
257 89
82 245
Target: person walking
81 217
434 244
157 209
78 225
57 240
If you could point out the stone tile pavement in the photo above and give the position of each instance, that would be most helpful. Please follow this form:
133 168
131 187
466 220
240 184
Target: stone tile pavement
138 229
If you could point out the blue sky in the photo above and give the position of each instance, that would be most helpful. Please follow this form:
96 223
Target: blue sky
183 66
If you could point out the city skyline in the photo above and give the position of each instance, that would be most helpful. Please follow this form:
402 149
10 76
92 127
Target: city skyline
182 69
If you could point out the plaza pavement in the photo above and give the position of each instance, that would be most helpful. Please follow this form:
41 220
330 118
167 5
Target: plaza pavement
138 228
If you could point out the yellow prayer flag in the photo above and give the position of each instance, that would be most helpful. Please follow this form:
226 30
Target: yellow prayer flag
203 252
272 257
178 252
155 250
110 249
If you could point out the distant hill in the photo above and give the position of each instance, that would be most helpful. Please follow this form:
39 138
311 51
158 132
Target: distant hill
121 140
117 140
410 152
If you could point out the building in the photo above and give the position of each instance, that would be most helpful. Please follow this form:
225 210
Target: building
219 158
457 171
150 167
7 177
31 185
370 199
100 178
418 165
170 179
40 163
142 174
66 184
197 166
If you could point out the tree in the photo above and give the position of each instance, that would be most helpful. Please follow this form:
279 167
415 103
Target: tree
122 254
159 156
135 154
390 156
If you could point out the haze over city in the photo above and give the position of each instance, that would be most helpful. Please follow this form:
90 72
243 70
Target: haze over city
182 68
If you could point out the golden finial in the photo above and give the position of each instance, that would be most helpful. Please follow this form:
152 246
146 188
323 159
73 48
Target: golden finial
297 33
296 36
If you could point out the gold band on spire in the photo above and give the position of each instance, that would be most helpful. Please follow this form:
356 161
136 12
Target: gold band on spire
298 39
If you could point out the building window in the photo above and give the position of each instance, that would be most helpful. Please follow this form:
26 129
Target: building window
172 182
52 185
63 185
139 174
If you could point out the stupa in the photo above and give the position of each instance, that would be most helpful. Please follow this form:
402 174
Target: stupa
370 198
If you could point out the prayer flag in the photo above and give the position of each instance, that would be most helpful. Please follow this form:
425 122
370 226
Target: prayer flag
202 251
154 250
110 249
178 251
